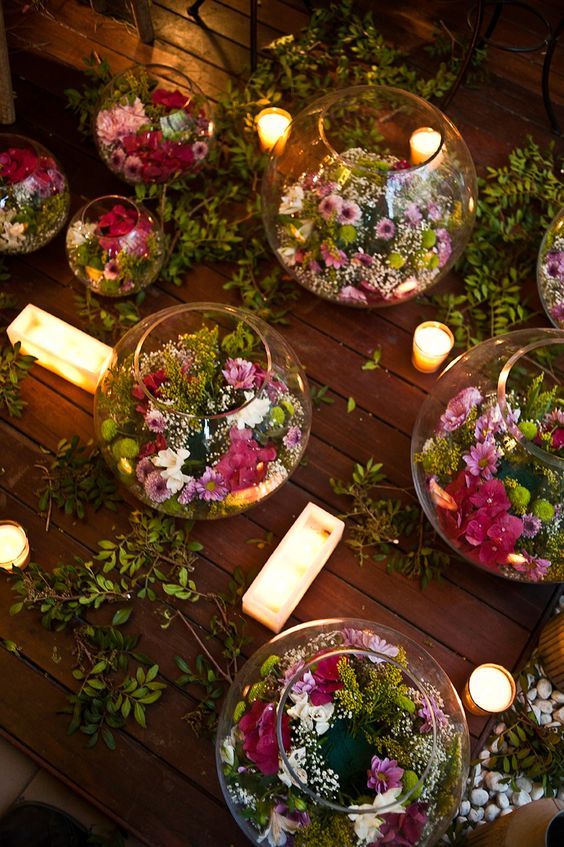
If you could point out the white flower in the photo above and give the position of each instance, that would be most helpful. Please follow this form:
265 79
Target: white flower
296 758
292 201
253 413
303 233
288 255
227 752
80 232
172 463
278 826
366 826
310 716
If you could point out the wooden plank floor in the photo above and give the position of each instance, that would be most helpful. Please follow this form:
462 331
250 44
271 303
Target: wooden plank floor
160 783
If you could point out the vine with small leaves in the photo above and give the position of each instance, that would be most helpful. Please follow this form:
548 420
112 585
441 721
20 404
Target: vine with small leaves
386 528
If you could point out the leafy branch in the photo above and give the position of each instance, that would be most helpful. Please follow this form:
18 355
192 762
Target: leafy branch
14 367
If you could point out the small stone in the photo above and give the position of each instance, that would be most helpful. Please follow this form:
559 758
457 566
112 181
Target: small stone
545 706
544 688
558 696
554 723
537 791
499 728
479 797
496 745
475 815
558 715
491 812
524 784
464 808
461 821
502 800
505 811
493 780
520 798
532 695
530 680
545 720
536 712
484 754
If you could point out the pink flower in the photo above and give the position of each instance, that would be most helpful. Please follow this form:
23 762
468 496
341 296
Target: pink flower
156 487
327 680
152 447
292 437
133 169
458 409
384 774
482 459
403 830
444 246
349 292
143 469
501 537
330 206
533 566
245 463
413 214
350 213
155 421
115 123
239 373
211 486
259 736
200 150
333 257
425 714
370 641
492 497
188 493
385 229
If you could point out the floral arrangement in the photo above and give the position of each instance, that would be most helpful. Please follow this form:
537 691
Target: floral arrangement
358 733
148 133
339 237
206 431
550 274
35 198
119 251
498 503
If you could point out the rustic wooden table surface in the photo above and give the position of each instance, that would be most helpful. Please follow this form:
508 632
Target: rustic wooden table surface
161 783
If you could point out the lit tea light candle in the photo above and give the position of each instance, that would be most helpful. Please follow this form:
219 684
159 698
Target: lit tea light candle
60 347
292 567
423 144
490 689
432 342
272 124
14 546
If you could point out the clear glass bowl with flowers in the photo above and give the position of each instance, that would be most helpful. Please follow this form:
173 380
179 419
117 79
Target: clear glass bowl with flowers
342 732
35 195
488 455
153 125
203 410
369 197
550 271
115 246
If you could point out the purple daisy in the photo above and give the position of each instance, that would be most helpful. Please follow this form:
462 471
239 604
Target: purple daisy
385 229
188 492
482 459
350 213
200 150
330 206
413 214
531 525
333 257
384 774
292 437
155 420
533 566
143 469
239 373
425 714
557 312
211 486
156 487
488 424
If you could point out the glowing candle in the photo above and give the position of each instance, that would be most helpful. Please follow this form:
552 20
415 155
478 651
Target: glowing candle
14 546
292 567
423 144
489 690
272 124
432 342
60 347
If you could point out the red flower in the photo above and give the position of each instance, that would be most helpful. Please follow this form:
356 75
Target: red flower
557 442
259 730
17 163
327 681
118 221
245 463
403 830
152 447
152 383
170 99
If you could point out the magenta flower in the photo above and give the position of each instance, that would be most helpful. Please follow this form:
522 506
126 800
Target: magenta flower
555 264
260 744
211 486
501 538
482 459
305 685
327 681
331 206
350 213
156 487
245 463
114 124
133 168
531 525
333 257
364 259
188 493
533 566
384 774
557 312
403 830
425 714
458 409
292 437
385 229
488 424
492 497
239 373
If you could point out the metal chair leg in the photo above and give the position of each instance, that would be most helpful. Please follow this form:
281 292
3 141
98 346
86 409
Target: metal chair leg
468 56
546 78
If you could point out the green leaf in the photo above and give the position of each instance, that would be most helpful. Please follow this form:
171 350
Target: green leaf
121 616
351 405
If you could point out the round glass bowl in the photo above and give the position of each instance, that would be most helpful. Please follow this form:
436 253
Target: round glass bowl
34 195
488 455
152 125
115 246
203 411
369 197
342 732
550 271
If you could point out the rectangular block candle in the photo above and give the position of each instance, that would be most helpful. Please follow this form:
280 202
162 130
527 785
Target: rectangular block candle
60 347
292 567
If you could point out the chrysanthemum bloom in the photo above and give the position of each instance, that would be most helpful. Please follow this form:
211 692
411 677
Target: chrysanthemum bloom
533 566
458 409
531 525
155 420
292 437
385 229
211 486
384 774
413 214
115 123
482 459
239 373
143 469
156 487
333 256
350 213
188 493
330 206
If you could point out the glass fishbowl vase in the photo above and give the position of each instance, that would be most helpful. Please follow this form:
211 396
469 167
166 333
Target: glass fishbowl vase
550 271
203 411
488 455
153 125
342 732
35 195
369 197
115 246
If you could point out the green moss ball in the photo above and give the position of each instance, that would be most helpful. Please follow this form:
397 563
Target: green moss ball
519 496
125 448
543 510
108 429
529 429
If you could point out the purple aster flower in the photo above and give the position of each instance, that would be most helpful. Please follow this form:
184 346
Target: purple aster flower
155 420
350 213
333 257
370 641
458 409
557 312
188 492
240 373
143 469
488 424
292 437
133 168
444 247
434 211
117 158
482 459
384 774
533 566
211 486
314 266
425 714
413 214
554 264
156 487
323 188
330 206
385 229
306 684
531 525
349 292
200 150
362 258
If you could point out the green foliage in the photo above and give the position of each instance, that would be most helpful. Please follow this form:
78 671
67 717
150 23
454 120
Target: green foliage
83 102
376 526
373 362
327 831
14 367
77 477
351 405
320 396
106 321
379 696
516 203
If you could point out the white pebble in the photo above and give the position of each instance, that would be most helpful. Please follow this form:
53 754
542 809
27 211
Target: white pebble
460 820
520 798
491 812
475 815
545 706
544 688
505 811
484 754
464 808
558 715
558 696
537 791
494 779
545 720
532 695
479 797
530 680
499 728
524 784
502 800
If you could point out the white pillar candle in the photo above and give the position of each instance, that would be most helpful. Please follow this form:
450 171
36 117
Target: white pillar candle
490 689
423 144
432 342
14 546
292 567
271 125
60 347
